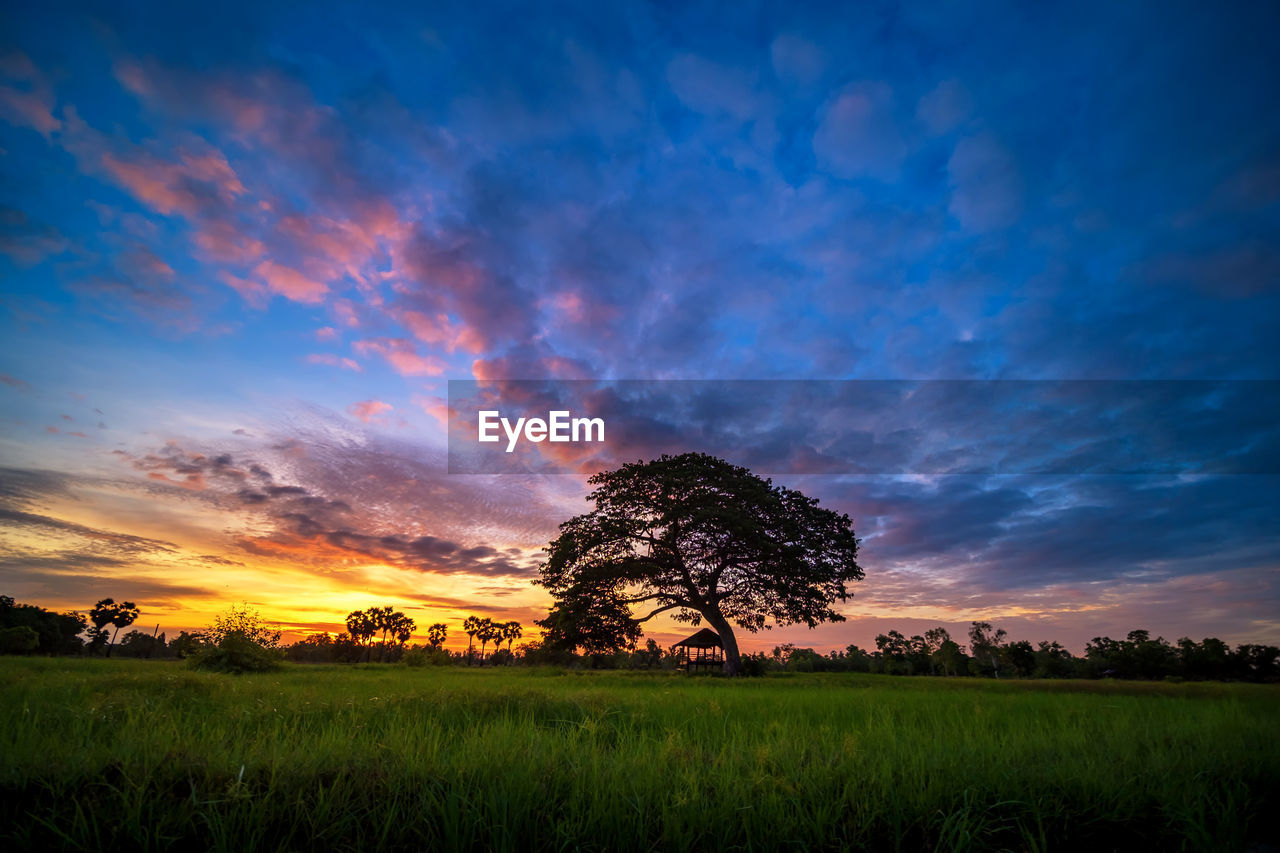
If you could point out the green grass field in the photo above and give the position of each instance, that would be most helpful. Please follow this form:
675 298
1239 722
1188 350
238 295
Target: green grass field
144 755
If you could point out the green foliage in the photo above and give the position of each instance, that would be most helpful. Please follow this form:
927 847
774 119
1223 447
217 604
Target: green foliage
245 622
426 656
236 653
328 757
597 625
187 644
56 633
138 644
18 641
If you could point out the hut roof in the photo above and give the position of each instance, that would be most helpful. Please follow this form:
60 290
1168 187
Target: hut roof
704 639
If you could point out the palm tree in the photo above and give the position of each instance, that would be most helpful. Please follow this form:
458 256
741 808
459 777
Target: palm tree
107 612
511 632
488 631
471 625
362 626
437 634
401 627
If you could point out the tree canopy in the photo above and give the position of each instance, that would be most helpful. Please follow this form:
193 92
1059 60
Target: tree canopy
700 538
107 612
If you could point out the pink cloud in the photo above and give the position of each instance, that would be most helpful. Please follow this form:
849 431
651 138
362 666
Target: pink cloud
334 361
327 333
290 283
223 242
507 367
6 379
435 406
437 330
401 354
169 187
253 292
368 410
31 106
346 312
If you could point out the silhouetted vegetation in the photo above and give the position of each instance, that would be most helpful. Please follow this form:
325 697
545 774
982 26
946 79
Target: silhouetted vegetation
383 634
990 655
107 612
700 539
54 633
239 641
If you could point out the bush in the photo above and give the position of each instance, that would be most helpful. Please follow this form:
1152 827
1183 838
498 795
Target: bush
756 664
425 656
236 654
19 640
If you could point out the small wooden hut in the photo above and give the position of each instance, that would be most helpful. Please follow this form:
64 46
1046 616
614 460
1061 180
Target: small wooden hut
701 652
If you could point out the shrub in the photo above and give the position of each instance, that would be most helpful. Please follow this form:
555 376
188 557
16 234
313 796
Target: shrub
756 664
236 654
19 640
425 656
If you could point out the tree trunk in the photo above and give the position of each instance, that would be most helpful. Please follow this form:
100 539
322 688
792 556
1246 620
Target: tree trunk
732 658
113 641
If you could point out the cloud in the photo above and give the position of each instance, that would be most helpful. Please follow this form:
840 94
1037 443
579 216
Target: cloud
196 184
945 107
711 88
290 283
26 242
796 59
369 410
119 544
6 379
334 361
27 100
402 355
439 331
986 188
858 136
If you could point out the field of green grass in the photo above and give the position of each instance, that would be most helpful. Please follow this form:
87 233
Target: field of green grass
109 754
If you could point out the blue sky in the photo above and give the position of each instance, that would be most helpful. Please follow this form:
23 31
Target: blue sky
271 232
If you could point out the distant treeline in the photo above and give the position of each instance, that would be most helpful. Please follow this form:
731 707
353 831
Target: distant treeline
989 654
29 629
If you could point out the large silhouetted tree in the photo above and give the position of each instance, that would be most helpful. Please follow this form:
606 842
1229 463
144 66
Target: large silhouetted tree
701 538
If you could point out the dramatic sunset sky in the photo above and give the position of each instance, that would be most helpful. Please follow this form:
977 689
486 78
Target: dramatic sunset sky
244 248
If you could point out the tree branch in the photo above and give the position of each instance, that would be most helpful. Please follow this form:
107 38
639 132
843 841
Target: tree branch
678 604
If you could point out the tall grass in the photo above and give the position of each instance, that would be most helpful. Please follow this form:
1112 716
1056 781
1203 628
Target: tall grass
148 755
